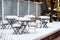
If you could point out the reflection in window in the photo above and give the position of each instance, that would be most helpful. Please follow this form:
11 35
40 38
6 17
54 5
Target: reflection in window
32 8
10 8
23 8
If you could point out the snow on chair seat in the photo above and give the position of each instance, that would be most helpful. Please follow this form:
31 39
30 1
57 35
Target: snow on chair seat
16 27
4 24
32 27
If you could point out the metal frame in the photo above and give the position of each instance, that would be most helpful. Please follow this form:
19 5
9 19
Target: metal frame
18 8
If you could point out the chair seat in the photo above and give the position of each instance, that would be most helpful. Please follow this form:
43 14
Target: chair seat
5 22
32 27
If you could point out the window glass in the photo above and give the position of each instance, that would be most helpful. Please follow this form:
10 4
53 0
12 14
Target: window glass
10 7
23 8
32 8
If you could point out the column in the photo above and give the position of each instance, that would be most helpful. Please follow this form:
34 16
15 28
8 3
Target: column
2 10
18 8
28 7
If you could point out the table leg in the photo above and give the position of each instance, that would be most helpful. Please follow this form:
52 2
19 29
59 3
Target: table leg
45 25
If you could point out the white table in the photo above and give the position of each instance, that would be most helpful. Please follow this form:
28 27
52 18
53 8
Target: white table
44 20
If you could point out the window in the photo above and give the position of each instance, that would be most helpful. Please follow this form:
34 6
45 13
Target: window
23 8
10 7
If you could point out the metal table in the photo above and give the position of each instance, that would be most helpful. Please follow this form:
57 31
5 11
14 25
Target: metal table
44 21
24 26
11 19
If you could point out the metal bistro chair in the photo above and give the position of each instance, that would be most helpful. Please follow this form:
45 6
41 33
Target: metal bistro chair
4 24
23 28
16 27
19 28
44 21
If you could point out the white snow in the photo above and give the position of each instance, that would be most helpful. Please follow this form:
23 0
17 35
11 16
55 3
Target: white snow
11 17
7 34
44 17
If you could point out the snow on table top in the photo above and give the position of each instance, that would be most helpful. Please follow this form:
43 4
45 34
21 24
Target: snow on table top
11 17
29 16
23 19
40 33
44 17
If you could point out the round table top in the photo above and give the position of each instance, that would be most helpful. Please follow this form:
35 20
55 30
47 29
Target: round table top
11 17
23 19
29 16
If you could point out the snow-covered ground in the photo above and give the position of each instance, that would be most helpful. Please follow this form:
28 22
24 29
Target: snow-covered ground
7 34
